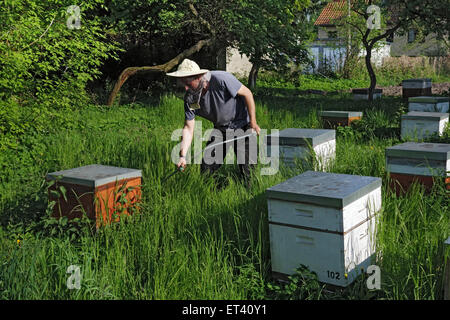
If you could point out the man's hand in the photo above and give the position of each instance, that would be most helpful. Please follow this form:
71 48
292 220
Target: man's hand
255 127
182 163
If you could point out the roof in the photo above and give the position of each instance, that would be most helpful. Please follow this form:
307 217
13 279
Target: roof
333 10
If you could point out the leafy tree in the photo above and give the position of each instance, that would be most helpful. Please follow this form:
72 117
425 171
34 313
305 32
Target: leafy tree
374 20
273 34
47 56
270 32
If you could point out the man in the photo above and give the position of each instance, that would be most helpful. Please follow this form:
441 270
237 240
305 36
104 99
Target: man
219 97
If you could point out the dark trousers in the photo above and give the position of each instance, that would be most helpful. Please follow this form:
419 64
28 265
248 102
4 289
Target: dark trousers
246 151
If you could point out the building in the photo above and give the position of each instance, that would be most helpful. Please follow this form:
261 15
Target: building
329 50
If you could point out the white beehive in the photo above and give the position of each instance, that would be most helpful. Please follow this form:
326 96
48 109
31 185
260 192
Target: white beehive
325 221
420 125
305 145
428 104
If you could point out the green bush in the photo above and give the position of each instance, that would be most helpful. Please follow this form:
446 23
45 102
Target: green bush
45 63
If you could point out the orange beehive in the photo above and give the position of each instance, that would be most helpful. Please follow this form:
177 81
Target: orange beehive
425 163
400 183
102 193
333 119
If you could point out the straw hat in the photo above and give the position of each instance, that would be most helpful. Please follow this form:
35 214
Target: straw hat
187 68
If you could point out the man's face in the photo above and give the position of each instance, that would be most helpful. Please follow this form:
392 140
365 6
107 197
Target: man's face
190 83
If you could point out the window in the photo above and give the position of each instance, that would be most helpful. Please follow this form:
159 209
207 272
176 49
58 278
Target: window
411 35
332 34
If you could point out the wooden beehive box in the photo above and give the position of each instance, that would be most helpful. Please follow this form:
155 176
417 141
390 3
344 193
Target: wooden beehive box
428 104
314 148
420 125
333 119
101 192
363 93
416 87
325 221
421 162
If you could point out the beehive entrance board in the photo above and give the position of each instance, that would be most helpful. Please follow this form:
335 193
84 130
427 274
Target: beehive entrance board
416 87
101 192
428 104
421 162
325 221
333 119
420 125
312 147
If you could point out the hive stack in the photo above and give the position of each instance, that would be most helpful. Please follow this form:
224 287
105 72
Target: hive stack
420 125
422 162
428 104
325 221
103 193
333 119
416 87
313 148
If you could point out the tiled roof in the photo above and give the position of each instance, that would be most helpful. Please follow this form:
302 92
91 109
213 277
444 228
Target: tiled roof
333 10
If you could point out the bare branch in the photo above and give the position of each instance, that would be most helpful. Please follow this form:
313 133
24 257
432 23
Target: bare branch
165 67
41 34
356 27
200 18
384 35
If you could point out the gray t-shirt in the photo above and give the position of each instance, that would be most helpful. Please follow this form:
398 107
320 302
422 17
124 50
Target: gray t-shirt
221 104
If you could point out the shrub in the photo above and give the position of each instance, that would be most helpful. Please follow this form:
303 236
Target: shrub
44 64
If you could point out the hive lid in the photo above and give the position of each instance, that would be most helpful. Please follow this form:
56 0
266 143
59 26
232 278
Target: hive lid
302 137
417 150
94 175
418 80
428 99
324 189
341 114
418 115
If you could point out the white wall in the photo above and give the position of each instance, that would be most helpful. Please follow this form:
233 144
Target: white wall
378 54
237 64
335 56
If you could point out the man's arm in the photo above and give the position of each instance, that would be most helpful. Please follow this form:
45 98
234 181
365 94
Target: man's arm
250 103
186 140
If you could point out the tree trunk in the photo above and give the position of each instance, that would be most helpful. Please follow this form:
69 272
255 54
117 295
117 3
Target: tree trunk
165 67
373 78
348 63
252 76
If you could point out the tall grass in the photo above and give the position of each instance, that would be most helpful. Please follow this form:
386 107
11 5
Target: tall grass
193 240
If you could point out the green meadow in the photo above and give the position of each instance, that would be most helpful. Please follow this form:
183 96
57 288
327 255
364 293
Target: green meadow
193 240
